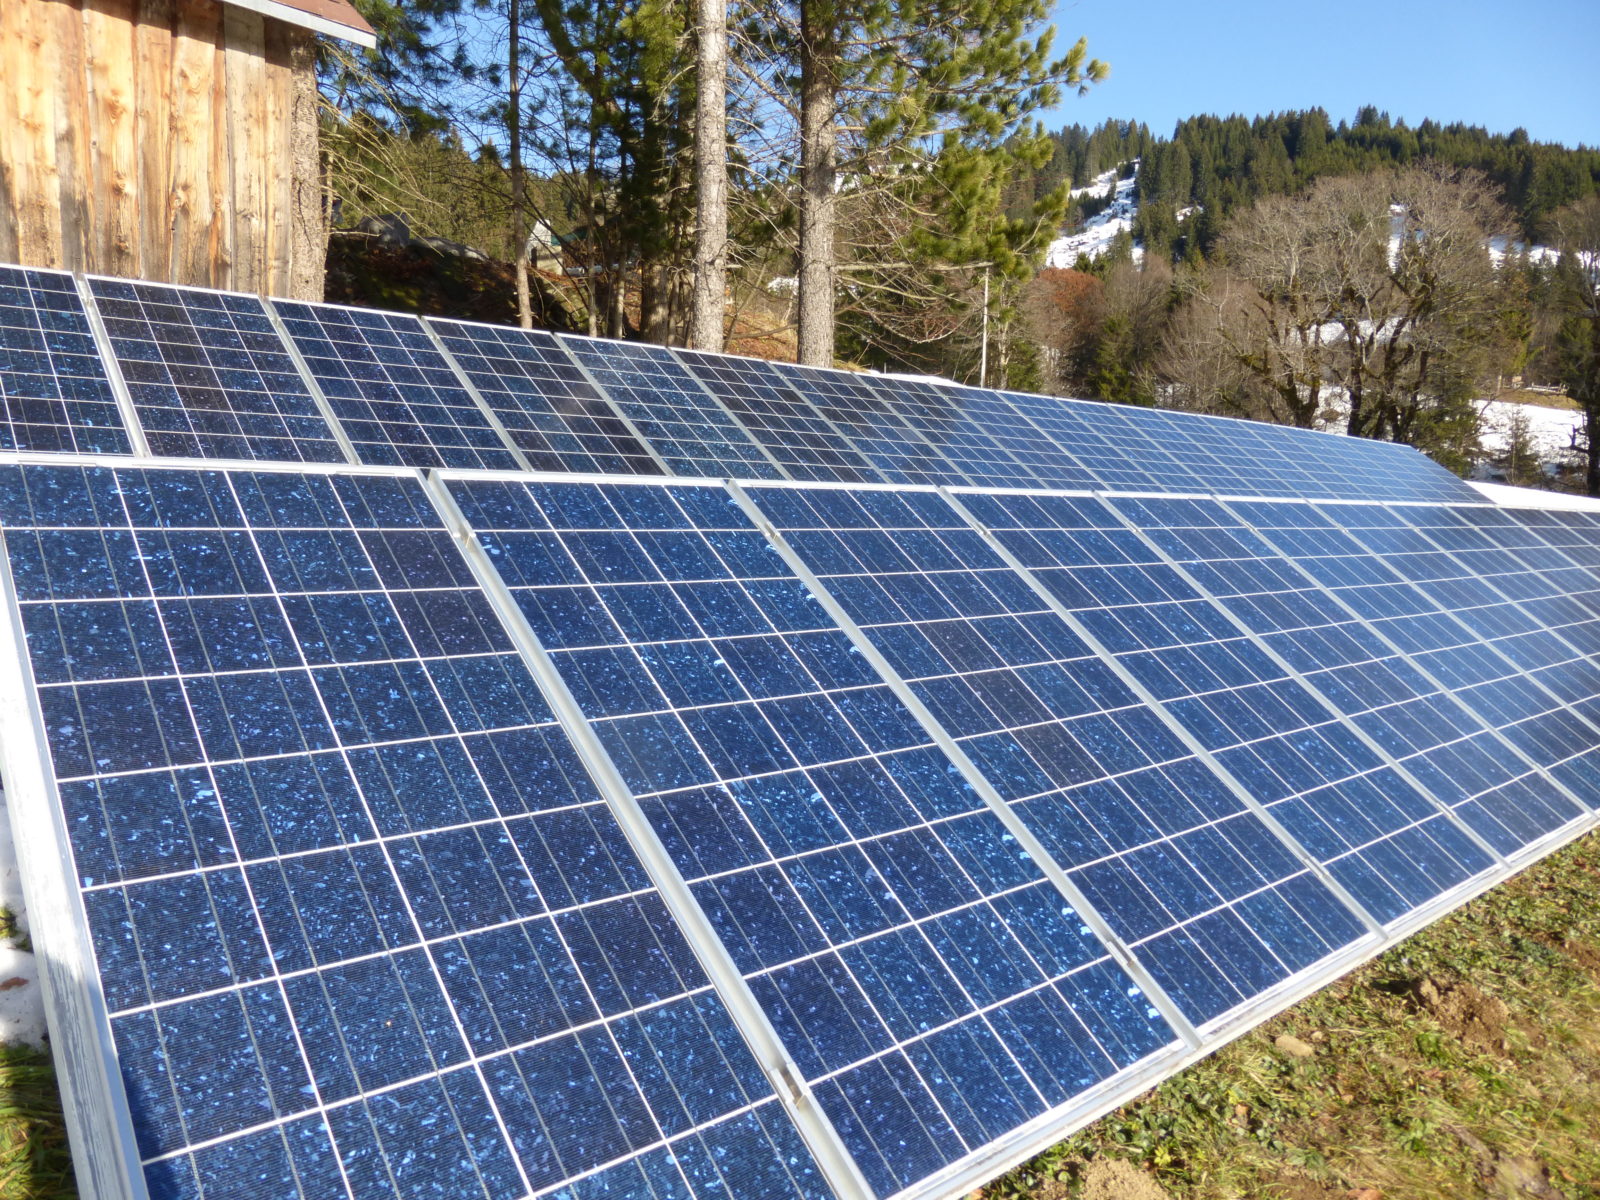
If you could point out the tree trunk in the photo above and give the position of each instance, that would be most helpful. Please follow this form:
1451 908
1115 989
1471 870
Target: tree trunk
707 309
519 237
819 54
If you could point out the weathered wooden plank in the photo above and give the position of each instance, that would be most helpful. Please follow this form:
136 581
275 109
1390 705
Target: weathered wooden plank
244 42
108 30
197 30
35 182
307 221
74 148
10 118
154 135
220 234
277 166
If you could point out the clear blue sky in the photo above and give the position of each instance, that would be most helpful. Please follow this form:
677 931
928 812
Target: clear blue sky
1533 63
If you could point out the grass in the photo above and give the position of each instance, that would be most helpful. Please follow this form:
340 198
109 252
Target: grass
1464 1063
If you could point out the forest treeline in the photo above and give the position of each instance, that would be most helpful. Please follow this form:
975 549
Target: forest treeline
868 181
1220 164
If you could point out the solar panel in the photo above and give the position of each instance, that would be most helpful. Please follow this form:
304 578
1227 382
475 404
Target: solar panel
1508 665
558 419
1383 841
53 386
933 988
684 423
802 440
1218 908
879 433
1078 429
939 415
997 418
396 396
363 925
508 834
1454 752
209 376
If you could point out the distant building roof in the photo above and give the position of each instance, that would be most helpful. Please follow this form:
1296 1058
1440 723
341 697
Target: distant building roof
336 18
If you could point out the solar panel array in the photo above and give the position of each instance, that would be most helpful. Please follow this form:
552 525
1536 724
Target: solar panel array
427 794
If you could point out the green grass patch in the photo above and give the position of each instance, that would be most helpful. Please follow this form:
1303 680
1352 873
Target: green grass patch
1463 1063
34 1162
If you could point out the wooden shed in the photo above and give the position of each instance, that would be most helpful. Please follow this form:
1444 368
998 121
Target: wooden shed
172 140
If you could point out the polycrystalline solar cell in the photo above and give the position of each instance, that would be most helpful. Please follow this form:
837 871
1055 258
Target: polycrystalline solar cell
363 925
934 989
1391 847
940 415
897 451
54 394
687 427
1506 661
1000 420
396 396
209 376
557 418
1359 668
1080 429
1212 902
794 432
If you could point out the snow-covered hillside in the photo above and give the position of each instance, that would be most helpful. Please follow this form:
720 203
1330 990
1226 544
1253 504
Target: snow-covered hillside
1097 233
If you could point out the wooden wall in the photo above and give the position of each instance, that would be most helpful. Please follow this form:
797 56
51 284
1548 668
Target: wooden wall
161 139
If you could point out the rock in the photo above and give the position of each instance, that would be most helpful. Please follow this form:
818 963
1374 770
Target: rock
1288 1044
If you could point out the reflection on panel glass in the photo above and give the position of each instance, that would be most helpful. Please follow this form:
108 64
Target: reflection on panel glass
974 443
209 375
1494 623
796 433
557 418
54 394
1389 845
691 432
1215 905
1440 741
934 989
394 393
363 924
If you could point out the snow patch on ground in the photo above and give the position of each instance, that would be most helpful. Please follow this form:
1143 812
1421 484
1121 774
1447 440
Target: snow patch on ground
1551 430
21 1001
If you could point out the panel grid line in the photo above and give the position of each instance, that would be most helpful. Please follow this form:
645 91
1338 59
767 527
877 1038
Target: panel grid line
786 1078
1176 727
1333 710
975 779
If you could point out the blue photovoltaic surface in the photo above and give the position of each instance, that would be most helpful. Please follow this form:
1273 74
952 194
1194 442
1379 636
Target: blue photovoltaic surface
684 423
870 420
1385 842
1081 430
363 925
1126 448
1217 908
794 431
54 394
557 418
1445 745
972 445
1504 661
209 376
932 986
395 395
